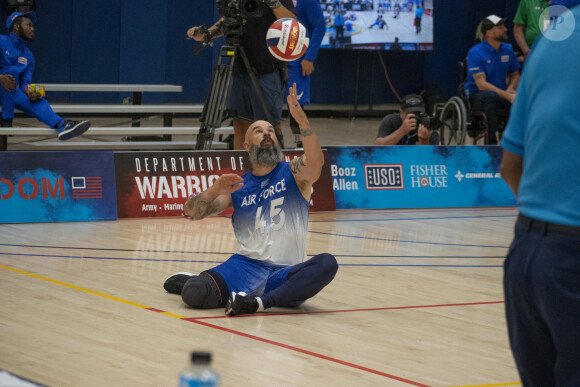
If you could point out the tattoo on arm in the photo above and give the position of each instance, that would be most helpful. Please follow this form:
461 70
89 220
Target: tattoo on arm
306 132
201 207
479 76
295 164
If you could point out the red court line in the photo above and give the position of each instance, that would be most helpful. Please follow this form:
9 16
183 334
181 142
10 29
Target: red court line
314 354
349 310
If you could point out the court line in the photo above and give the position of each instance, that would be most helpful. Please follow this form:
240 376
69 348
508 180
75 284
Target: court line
231 253
404 241
494 385
207 261
413 210
395 219
266 314
257 338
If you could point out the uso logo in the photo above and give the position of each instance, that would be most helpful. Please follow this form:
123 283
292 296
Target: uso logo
384 176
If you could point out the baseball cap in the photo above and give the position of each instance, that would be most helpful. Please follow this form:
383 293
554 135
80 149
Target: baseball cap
491 21
15 15
412 103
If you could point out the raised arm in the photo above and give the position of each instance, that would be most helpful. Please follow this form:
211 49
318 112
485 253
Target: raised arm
306 168
280 10
213 200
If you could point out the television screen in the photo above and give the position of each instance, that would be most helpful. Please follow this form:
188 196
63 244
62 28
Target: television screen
378 25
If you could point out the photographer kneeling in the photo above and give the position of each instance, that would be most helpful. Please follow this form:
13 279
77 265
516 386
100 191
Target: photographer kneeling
408 127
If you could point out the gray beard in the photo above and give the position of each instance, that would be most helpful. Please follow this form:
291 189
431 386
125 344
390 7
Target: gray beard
265 156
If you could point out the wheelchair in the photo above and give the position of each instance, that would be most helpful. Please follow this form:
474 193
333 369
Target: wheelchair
461 119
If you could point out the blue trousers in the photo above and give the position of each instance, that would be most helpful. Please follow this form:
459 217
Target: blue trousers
278 285
40 109
542 295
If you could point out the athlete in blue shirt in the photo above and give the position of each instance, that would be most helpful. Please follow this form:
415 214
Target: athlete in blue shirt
418 16
540 164
309 13
489 63
16 69
270 223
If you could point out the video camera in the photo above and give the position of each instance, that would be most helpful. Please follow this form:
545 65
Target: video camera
246 9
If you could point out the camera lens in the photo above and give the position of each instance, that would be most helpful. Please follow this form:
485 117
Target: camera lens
250 6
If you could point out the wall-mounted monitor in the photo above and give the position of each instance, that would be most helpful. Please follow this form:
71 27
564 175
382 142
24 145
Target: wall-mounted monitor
378 25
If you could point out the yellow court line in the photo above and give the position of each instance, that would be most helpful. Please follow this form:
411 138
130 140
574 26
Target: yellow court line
86 290
494 385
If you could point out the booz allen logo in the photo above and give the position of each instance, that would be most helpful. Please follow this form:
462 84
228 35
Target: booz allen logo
384 176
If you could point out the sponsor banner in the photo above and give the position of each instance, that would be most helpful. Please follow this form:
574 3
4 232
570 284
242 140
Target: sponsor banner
57 187
157 184
418 177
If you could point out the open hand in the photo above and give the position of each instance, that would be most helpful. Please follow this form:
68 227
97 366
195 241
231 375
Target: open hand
8 82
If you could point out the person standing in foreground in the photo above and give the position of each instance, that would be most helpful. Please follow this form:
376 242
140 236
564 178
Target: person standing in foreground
270 222
540 160
16 69
271 74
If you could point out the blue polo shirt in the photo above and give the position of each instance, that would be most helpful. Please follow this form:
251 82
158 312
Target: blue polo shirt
496 64
543 128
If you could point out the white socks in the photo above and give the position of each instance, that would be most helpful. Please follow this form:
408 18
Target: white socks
260 305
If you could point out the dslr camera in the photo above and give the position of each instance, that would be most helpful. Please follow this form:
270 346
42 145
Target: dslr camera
431 123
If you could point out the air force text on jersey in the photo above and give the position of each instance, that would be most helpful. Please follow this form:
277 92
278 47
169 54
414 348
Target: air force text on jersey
270 191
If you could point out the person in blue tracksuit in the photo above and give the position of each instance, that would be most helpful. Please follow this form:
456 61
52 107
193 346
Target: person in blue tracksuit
309 14
16 69
270 223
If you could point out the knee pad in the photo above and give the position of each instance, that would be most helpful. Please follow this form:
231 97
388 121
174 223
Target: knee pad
204 291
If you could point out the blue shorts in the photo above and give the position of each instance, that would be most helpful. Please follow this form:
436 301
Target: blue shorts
302 82
243 99
243 274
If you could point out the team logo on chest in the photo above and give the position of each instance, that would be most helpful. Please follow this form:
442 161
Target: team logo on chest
22 60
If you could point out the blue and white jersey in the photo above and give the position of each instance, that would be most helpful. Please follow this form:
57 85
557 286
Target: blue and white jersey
271 217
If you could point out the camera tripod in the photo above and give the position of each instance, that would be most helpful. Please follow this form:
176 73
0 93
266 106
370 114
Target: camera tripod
214 108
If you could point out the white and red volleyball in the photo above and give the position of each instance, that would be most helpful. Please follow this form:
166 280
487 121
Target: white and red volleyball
286 39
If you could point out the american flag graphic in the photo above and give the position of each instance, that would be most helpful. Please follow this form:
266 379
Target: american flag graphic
87 187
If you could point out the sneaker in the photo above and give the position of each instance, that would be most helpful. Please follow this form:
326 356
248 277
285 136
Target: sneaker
174 284
72 129
241 303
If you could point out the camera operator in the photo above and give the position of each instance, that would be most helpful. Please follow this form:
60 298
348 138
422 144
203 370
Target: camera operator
270 72
408 127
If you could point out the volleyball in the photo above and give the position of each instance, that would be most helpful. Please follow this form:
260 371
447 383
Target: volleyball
286 39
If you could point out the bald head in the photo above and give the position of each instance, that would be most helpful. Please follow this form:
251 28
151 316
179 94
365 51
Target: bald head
256 126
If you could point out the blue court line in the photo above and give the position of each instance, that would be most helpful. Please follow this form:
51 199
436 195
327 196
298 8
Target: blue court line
423 256
396 219
197 261
230 253
403 241
109 258
105 249
387 265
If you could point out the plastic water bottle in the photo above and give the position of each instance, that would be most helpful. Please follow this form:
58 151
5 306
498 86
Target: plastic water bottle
200 373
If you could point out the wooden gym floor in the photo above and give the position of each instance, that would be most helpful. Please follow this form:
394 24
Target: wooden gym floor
417 301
